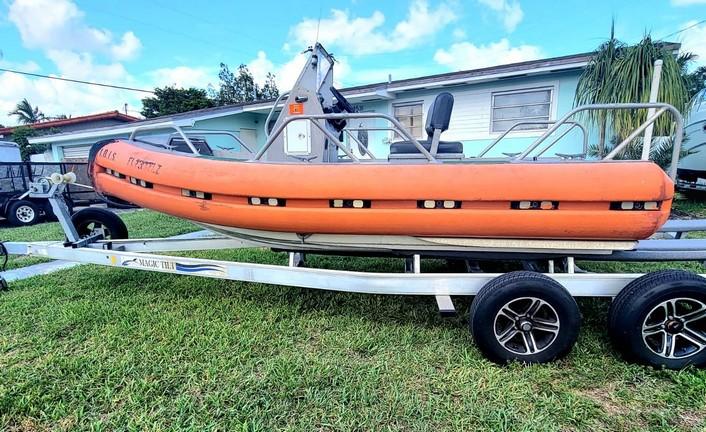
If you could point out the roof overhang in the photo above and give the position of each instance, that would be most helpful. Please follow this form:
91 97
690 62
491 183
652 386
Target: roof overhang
381 92
128 128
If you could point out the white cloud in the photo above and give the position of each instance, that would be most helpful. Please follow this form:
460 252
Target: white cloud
60 97
59 24
509 11
28 66
184 76
694 41
687 2
82 66
364 35
382 74
128 48
466 55
286 74
77 50
459 34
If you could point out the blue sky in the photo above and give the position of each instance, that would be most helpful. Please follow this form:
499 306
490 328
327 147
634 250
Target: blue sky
154 43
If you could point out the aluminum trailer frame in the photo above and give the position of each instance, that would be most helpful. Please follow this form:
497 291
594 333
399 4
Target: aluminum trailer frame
139 254
531 325
142 254
135 254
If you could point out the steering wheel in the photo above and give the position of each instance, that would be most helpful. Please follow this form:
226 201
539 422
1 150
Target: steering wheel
341 102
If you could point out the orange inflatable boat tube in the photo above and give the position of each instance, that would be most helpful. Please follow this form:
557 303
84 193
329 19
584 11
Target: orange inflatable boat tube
609 200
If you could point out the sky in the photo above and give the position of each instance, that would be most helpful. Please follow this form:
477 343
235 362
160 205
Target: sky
154 43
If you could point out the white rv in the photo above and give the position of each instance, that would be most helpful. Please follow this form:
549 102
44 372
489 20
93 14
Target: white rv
691 173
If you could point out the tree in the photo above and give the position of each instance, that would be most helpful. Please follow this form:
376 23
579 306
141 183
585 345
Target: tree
26 114
592 86
696 81
241 86
20 136
618 73
269 89
172 100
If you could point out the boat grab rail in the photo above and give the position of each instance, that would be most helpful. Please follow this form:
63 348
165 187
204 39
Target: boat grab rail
364 149
161 126
342 116
272 111
539 122
185 134
661 109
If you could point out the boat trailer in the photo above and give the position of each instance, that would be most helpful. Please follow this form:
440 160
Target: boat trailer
641 327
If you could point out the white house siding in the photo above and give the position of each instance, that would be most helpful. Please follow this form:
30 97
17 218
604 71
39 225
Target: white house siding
470 119
471 116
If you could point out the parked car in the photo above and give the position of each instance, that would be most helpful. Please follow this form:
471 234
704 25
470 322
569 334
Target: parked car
14 182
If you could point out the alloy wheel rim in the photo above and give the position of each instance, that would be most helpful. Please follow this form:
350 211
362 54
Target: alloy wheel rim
526 325
25 213
95 227
676 328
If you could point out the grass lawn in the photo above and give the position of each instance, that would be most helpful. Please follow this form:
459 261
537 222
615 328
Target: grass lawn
94 348
140 224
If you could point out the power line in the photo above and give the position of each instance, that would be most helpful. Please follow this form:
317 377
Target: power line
75 81
684 29
213 24
199 40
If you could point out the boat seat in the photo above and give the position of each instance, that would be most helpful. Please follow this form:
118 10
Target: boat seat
445 147
438 118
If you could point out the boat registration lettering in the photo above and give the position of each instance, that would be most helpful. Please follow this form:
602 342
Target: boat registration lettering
107 154
144 165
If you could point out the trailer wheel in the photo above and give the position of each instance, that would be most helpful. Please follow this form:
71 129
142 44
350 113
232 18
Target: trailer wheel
93 219
524 316
659 319
22 213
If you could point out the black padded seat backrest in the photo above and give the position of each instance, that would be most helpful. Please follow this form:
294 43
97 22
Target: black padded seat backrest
439 114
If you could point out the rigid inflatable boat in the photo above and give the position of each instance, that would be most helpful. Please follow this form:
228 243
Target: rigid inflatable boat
306 188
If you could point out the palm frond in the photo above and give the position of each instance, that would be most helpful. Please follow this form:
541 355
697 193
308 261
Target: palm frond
660 150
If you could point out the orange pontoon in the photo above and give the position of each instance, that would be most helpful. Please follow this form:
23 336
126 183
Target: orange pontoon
306 181
576 200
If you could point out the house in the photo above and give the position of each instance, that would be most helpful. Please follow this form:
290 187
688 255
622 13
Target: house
74 124
487 102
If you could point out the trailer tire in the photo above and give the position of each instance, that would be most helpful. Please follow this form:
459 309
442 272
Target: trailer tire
659 320
524 316
91 218
22 213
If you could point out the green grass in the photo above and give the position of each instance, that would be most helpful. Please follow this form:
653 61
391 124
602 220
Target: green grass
140 224
95 348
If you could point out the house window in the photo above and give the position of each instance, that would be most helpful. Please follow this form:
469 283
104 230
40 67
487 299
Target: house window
410 115
522 105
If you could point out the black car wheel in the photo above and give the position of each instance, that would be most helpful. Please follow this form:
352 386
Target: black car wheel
524 316
659 320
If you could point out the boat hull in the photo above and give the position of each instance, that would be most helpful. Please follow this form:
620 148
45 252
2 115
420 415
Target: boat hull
486 197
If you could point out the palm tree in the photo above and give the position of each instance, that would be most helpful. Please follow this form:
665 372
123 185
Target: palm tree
592 86
618 73
26 114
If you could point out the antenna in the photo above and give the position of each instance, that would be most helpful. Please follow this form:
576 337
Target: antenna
318 25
